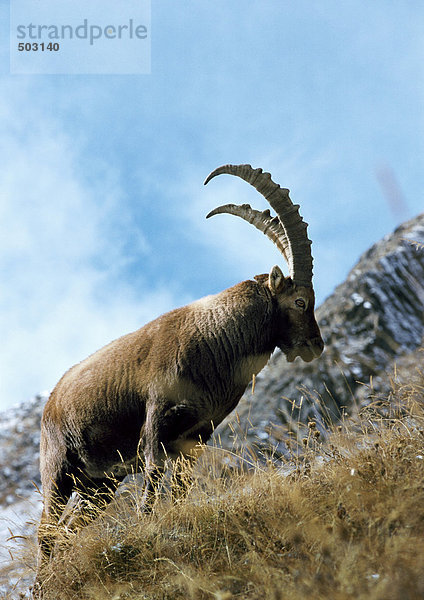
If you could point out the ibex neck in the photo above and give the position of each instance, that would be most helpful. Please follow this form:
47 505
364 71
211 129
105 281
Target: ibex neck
231 338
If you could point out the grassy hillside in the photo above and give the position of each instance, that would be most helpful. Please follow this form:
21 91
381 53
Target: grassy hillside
342 519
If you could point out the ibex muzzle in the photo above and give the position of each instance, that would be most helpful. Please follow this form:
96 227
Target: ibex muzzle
162 389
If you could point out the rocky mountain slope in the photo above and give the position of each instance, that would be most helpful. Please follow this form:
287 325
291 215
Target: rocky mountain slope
19 452
372 321
20 504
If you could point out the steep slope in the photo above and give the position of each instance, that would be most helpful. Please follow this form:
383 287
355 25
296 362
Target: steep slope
372 322
372 319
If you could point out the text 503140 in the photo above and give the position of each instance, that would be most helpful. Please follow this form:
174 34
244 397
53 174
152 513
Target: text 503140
38 47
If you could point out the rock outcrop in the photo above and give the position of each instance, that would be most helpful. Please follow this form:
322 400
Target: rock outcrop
19 450
372 319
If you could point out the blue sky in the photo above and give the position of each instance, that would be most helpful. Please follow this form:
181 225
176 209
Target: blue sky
102 203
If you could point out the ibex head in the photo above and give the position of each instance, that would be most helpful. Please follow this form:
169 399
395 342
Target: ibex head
297 332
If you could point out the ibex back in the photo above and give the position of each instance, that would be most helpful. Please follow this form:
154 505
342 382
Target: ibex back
163 388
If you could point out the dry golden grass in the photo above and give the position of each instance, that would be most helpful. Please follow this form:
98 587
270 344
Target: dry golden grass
345 520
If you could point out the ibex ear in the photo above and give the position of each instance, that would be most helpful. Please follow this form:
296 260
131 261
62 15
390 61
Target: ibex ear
275 279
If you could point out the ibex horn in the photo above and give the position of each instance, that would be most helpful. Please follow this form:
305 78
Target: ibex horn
288 232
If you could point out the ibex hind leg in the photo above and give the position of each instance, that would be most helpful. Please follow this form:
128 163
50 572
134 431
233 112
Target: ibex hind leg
56 492
59 514
57 489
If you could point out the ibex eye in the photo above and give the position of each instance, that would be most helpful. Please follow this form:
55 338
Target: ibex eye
300 303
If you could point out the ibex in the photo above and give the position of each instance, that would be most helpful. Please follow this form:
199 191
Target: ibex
163 388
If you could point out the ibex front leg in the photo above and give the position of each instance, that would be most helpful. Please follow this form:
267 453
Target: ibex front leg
153 446
172 432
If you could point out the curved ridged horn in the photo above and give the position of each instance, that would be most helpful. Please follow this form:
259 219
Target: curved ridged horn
263 221
293 241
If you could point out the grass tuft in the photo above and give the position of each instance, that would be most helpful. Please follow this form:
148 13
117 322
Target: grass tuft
341 517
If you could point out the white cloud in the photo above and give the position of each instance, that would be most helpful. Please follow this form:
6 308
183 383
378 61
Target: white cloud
60 262
317 108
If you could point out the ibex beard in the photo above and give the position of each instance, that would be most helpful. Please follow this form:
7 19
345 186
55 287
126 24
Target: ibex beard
161 390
